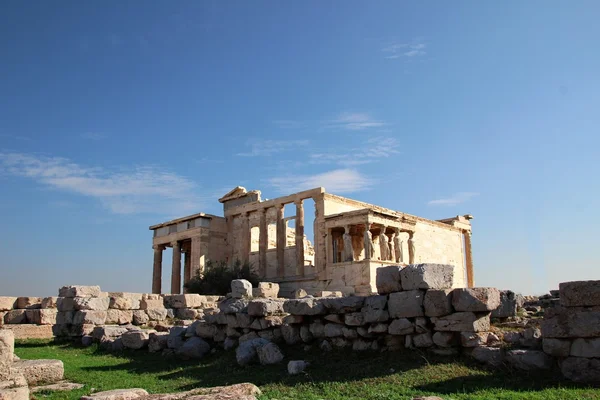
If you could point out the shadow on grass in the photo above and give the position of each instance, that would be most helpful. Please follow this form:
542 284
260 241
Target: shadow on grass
409 368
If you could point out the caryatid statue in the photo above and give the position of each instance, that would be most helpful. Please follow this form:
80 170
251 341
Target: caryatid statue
368 239
348 254
384 246
398 251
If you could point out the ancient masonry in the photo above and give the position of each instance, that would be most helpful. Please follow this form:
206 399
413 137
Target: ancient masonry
352 240
417 307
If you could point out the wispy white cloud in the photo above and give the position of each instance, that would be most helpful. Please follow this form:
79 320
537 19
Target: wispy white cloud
455 199
398 50
336 181
271 147
137 189
92 136
16 137
373 149
354 122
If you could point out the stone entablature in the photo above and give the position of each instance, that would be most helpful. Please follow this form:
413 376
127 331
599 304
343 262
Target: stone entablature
256 231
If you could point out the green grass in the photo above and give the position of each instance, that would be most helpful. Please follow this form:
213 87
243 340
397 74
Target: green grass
333 376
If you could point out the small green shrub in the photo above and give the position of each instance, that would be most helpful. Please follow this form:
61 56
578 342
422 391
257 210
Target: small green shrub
217 277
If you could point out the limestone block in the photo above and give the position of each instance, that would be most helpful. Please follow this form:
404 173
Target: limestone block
363 331
329 293
241 288
91 303
117 394
176 335
493 356
304 306
29 303
422 325
205 330
49 302
293 319
474 339
65 304
108 332
140 317
269 354
46 316
15 317
296 367
586 347
375 303
246 352
194 348
247 336
317 329
388 279
267 290
580 369
232 306
579 293
15 393
427 276
299 294
121 317
147 304
529 360
423 340
475 299
508 305
58 387
135 339
29 331
406 304
157 314
354 319
462 322
89 317
556 347
438 303
7 346
263 307
120 303
41 371
291 334
572 322
333 330
7 303
183 301
444 339
344 304
371 316
401 326
335 318
188 313
378 328
79 291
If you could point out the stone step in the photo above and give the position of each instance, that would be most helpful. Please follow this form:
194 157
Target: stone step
41 371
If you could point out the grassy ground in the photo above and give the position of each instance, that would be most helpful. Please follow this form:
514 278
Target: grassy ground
333 376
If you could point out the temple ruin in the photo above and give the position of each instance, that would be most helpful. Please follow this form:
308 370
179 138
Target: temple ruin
352 240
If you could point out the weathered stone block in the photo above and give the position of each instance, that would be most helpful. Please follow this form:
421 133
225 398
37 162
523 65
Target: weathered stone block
117 394
579 293
79 291
329 293
7 346
423 340
580 369
462 322
184 301
29 303
427 276
266 290
388 279
475 299
508 305
15 393
291 334
157 314
572 322
354 319
42 316
406 304
194 348
147 304
317 329
65 304
529 360
49 302
120 317
41 371
586 347
91 303
263 307
241 288
125 300
473 339
493 356
444 339
556 347
333 330
371 316
343 304
438 302
29 331
108 332
232 306
120 303
135 339
304 306
15 317
401 326
7 303
89 317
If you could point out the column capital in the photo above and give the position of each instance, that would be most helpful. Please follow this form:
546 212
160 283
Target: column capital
158 246
175 244
299 202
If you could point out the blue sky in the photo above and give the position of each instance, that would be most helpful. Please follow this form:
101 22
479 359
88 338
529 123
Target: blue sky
115 116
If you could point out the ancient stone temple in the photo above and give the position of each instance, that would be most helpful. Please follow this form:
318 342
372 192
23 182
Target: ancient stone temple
351 240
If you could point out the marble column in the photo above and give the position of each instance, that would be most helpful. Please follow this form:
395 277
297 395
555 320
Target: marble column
246 238
187 264
263 244
411 248
281 241
157 269
196 254
469 259
176 269
299 237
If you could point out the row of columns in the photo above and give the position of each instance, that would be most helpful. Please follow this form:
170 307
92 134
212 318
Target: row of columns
175 268
281 239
